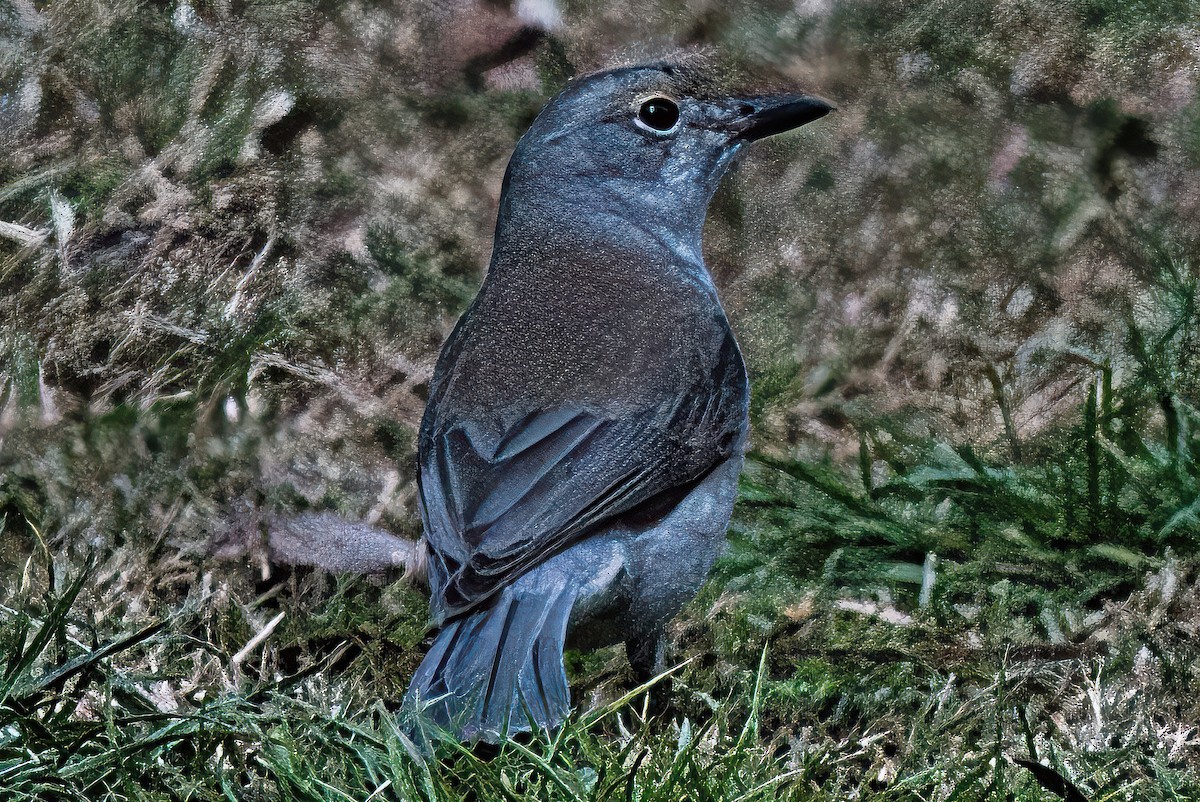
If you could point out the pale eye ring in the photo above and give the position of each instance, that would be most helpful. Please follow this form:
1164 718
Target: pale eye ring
658 114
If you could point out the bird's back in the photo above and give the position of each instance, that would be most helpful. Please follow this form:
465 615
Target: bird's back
602 325
617 362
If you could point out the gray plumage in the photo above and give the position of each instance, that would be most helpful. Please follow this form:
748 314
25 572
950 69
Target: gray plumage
586 422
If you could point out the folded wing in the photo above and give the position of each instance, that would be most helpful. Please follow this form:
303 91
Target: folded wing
500 496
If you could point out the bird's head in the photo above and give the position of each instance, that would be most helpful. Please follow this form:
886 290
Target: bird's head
656 138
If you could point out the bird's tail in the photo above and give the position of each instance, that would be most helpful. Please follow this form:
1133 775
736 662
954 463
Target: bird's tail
496 671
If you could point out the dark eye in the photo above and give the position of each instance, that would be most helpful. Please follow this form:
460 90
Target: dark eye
659 113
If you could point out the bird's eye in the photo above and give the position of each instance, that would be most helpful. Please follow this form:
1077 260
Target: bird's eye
659 113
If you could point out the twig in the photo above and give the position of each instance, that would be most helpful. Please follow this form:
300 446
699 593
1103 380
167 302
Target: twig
23 235
257 640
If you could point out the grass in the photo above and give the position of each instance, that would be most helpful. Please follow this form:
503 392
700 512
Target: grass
920 624
836 706
964 561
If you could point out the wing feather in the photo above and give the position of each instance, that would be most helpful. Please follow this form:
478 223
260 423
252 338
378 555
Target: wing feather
499 497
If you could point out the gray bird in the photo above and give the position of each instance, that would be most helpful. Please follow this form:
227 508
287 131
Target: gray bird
587 417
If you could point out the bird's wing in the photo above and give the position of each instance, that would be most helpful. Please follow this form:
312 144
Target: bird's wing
498 499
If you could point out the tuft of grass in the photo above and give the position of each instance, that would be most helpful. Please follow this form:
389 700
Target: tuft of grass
832 705
1088 509
73 724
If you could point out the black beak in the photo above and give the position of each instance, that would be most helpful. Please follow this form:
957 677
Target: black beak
774 114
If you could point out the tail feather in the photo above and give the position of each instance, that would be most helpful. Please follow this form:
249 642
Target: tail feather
497 671
546 659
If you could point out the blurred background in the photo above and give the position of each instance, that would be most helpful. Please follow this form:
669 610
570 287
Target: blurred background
233 236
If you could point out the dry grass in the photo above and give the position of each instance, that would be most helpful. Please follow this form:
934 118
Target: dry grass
232 238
